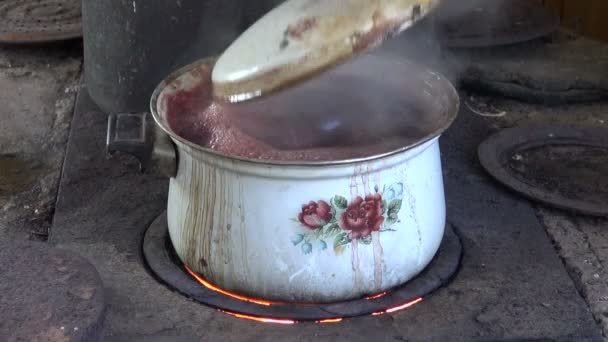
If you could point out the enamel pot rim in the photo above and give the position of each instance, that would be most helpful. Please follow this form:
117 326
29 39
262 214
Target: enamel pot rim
444 85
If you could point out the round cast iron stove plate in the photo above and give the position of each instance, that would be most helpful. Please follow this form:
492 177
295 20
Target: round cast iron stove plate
495 23
48 294
37 21
562 166
161 259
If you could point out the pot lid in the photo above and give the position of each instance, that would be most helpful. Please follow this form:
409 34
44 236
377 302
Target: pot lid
301 38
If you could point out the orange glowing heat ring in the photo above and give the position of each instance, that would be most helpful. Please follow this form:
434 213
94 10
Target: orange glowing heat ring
404 306
376 296
260 319
276 320
288 321
254 300
330 320
398 308
224 292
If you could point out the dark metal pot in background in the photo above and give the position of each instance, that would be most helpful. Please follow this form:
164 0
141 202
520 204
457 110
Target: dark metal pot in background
130 46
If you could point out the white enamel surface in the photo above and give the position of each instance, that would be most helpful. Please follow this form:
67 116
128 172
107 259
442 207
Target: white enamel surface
232 222
302 36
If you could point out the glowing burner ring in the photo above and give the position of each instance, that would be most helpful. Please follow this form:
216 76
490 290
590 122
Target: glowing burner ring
163 262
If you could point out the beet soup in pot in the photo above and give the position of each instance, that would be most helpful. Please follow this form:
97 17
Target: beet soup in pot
328 191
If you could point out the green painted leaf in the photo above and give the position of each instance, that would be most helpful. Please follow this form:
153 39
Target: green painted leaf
331 229
317 233
340 202
340 241
393 211
384 206
392 219
334 215
366 240
393 214
394 207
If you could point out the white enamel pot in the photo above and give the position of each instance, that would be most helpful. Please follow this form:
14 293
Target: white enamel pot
302 232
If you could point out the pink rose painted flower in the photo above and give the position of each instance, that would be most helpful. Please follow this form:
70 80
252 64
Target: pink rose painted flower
315 215
363 216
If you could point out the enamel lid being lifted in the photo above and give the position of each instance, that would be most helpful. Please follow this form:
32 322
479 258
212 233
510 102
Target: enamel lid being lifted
300 38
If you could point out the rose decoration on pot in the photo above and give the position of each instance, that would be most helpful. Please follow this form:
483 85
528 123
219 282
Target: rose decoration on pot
315 215
343 222
363 216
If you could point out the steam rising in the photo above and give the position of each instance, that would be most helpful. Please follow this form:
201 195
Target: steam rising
364 102
368 101
422 42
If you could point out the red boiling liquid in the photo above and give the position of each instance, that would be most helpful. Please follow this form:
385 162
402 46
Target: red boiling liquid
332 118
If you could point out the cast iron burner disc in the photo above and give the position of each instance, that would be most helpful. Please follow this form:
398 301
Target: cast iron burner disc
562 166
162 260
494 23
48 294
36 21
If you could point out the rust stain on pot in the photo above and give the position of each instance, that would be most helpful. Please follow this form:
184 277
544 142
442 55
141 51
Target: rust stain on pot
365 181
190 220
354 186
199 239
378 264
226 228
411 200
357 276
227 204
220 250
355 264
366 171
207 224
376 242
242 233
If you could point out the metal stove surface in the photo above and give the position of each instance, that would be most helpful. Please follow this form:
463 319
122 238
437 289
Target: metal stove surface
511 285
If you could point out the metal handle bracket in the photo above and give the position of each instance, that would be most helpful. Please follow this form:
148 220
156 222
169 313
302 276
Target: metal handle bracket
138 135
